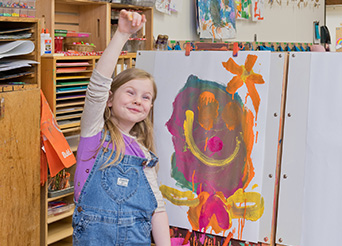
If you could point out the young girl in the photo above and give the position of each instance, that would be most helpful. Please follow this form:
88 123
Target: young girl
117 198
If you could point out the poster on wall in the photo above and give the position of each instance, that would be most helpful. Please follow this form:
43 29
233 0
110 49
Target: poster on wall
210 123
216 19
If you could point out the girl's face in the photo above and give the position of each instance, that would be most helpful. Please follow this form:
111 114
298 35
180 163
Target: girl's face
131 103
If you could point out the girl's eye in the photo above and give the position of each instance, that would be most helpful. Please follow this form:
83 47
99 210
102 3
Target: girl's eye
130 92
147 98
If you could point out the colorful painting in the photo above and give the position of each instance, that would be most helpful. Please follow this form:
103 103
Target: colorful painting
163 6
339 43
181 236
210 124
243 9
258 10
216 19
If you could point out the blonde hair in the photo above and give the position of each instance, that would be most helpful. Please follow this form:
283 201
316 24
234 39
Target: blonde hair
142 130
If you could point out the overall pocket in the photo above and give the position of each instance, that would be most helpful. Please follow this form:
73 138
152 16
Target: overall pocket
79 224
120 182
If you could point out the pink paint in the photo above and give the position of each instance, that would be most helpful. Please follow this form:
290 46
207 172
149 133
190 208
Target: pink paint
214 205
215 144
178 242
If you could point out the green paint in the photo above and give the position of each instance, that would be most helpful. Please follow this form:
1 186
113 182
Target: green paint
215 13
179 177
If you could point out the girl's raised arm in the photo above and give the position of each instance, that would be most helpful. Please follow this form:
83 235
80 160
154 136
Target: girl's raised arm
129 23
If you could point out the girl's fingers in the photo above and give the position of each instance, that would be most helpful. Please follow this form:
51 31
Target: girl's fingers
135 19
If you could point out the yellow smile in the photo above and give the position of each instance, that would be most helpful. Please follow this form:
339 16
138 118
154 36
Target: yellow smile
188 123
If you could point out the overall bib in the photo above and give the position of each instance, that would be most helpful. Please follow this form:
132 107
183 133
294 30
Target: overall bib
116 204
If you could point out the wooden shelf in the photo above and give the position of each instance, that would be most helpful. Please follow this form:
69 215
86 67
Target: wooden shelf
333 2
63 215
64 242
86 16
51 199
59 230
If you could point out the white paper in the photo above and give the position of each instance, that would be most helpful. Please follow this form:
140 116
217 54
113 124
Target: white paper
10 64
323 168
15 48
171 71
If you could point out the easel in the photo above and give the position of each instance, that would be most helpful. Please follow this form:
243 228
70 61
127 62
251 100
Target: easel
235 47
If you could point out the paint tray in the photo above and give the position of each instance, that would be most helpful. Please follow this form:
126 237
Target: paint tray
57 193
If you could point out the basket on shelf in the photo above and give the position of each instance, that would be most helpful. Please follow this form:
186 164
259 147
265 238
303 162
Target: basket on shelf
80 47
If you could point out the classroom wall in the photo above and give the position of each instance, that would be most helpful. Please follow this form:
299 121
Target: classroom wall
283 23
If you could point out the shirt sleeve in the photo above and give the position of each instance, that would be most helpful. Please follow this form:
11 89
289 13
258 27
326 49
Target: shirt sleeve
95 103
151 176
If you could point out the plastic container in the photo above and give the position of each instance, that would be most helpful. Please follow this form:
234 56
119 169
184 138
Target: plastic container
135 44
48 42
58 44
42 42
58 207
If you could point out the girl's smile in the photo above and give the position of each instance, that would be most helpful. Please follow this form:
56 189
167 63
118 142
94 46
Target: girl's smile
131 103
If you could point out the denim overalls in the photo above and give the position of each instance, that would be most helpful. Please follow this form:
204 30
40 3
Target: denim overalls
116 204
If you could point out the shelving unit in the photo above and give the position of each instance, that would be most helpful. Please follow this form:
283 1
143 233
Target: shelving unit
91 17
59 226
29 76
70 77
64 82
20 143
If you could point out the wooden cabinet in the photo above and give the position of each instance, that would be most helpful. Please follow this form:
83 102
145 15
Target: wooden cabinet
58 228
89 17
29 76
64 83
20 144
333 2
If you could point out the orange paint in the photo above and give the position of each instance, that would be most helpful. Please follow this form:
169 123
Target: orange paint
250 61
253 93
213 31
227 240
242 220
232 115
186 238
207 110
248 136
214 225
192 180
232 67
245 74
206 144
194 212
234 85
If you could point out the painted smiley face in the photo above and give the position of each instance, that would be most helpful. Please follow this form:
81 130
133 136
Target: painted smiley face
210 135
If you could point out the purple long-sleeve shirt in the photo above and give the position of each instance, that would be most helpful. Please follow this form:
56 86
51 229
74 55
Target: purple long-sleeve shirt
92 123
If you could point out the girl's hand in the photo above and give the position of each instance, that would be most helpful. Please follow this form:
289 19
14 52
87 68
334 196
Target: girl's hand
130 22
